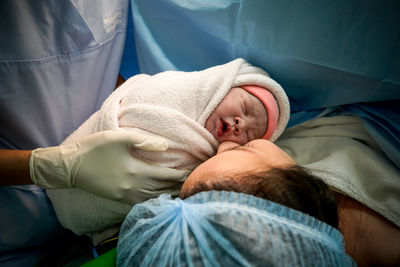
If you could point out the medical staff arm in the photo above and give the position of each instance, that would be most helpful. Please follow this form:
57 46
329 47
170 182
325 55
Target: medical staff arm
103 164
14 167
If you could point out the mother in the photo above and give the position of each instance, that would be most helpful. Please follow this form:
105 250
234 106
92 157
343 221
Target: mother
367 184
370 238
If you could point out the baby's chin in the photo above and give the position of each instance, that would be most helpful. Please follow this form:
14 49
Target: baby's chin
231 139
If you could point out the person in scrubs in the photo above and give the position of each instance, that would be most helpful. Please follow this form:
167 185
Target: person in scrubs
58 63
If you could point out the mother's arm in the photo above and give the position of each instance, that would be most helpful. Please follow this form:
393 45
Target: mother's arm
371 240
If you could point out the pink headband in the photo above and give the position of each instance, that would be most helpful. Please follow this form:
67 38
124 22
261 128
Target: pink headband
270 104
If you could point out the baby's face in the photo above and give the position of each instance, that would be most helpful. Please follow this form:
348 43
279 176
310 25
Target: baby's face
239 118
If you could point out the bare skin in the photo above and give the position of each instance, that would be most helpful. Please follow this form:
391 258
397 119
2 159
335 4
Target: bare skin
239 118
370 239
233 158
14 167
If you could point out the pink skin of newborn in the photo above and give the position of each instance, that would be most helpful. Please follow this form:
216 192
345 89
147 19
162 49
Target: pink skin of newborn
239 118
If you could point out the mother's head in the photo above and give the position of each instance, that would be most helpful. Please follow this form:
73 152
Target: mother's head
262 169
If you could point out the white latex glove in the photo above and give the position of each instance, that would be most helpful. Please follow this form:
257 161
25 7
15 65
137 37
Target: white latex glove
102 164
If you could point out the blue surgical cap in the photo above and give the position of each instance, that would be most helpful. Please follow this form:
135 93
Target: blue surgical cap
220 228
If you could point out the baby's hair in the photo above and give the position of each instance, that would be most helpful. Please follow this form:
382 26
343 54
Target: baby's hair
292 186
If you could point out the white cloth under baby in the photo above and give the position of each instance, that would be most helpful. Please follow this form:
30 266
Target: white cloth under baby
172 104
349 160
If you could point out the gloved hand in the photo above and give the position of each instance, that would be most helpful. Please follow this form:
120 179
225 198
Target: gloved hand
102 163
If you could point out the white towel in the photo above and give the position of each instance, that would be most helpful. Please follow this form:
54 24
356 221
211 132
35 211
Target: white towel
172 104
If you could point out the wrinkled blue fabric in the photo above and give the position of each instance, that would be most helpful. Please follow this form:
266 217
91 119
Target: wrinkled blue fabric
382 121
129 65
220 228
323 54
59 60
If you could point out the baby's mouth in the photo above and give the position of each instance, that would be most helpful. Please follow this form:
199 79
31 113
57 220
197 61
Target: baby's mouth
223 127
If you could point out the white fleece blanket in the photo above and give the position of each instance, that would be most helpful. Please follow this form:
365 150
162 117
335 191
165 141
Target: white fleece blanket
172 104
356 166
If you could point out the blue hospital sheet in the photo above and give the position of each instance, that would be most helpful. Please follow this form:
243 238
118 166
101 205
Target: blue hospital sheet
59 60
324 54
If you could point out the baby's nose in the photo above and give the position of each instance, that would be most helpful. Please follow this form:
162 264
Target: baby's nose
239 125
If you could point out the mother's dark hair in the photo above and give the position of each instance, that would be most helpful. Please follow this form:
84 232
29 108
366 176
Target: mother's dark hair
293 186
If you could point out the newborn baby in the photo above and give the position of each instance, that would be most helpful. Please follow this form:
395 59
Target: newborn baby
246 113
194 112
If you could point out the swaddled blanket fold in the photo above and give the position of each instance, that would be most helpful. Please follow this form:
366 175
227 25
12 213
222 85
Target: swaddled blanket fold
174 105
